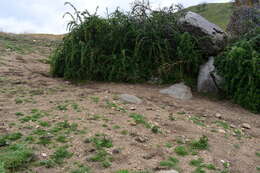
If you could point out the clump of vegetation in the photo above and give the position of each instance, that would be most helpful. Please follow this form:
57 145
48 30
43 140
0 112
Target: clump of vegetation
15 157
81 169
181 151
133 46
101 142
201 144
239 66
57 158
171 163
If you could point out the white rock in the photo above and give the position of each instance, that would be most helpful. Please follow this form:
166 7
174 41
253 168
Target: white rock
246 126
218 115
130 99
179 91
169 171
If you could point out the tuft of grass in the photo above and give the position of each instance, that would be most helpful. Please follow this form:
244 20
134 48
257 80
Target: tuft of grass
223 124
140 119
196 162
81 169
181 151
60 155
201 144
101 141
197 120
170 163
16 156
257 154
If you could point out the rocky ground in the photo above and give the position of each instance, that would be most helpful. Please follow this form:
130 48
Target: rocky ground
52 125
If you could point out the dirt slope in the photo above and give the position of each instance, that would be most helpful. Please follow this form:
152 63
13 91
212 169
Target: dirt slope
78 115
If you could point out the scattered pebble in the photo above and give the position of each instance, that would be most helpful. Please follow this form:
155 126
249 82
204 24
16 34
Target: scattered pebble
116 151
141 139
132 108
246 126
218 115
221 131
44 155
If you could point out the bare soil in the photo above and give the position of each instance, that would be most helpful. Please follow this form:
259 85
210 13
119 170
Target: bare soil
25 84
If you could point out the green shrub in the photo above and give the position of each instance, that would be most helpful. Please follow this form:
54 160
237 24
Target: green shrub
133 46
240 67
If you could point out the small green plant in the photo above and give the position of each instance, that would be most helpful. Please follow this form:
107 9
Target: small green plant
223 124
170 163
81 169
62 139
257 154
140 119
95 99
44 124
201 144
197 162
60 155
168 145
101 141
44 140
15 157
19 114
181 151
197 120
115 106
62 107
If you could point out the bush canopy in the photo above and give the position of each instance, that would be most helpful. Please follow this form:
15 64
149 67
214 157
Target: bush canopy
134 46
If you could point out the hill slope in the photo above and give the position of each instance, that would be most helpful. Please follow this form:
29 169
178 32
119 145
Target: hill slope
218 13
50 125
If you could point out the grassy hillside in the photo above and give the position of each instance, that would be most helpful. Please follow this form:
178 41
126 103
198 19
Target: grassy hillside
218 13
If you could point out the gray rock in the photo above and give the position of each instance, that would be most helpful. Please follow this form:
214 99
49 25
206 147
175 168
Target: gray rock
130 99
169 171
214 38
205 82
179 91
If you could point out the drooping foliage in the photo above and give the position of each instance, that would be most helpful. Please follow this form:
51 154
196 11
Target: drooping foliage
239 64
132 46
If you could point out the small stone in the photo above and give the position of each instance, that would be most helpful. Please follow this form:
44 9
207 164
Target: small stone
132 108
221 131
232 126
246 126
116 151
218 115
149 156
133 124
169 171
149 109
43 154
141 139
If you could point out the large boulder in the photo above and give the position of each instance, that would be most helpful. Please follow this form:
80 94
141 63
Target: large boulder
211 37
208 80
179 91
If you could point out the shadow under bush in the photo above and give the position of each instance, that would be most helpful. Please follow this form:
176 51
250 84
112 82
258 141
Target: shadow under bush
239 65
133 46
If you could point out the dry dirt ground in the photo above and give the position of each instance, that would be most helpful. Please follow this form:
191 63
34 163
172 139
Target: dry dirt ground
107 135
